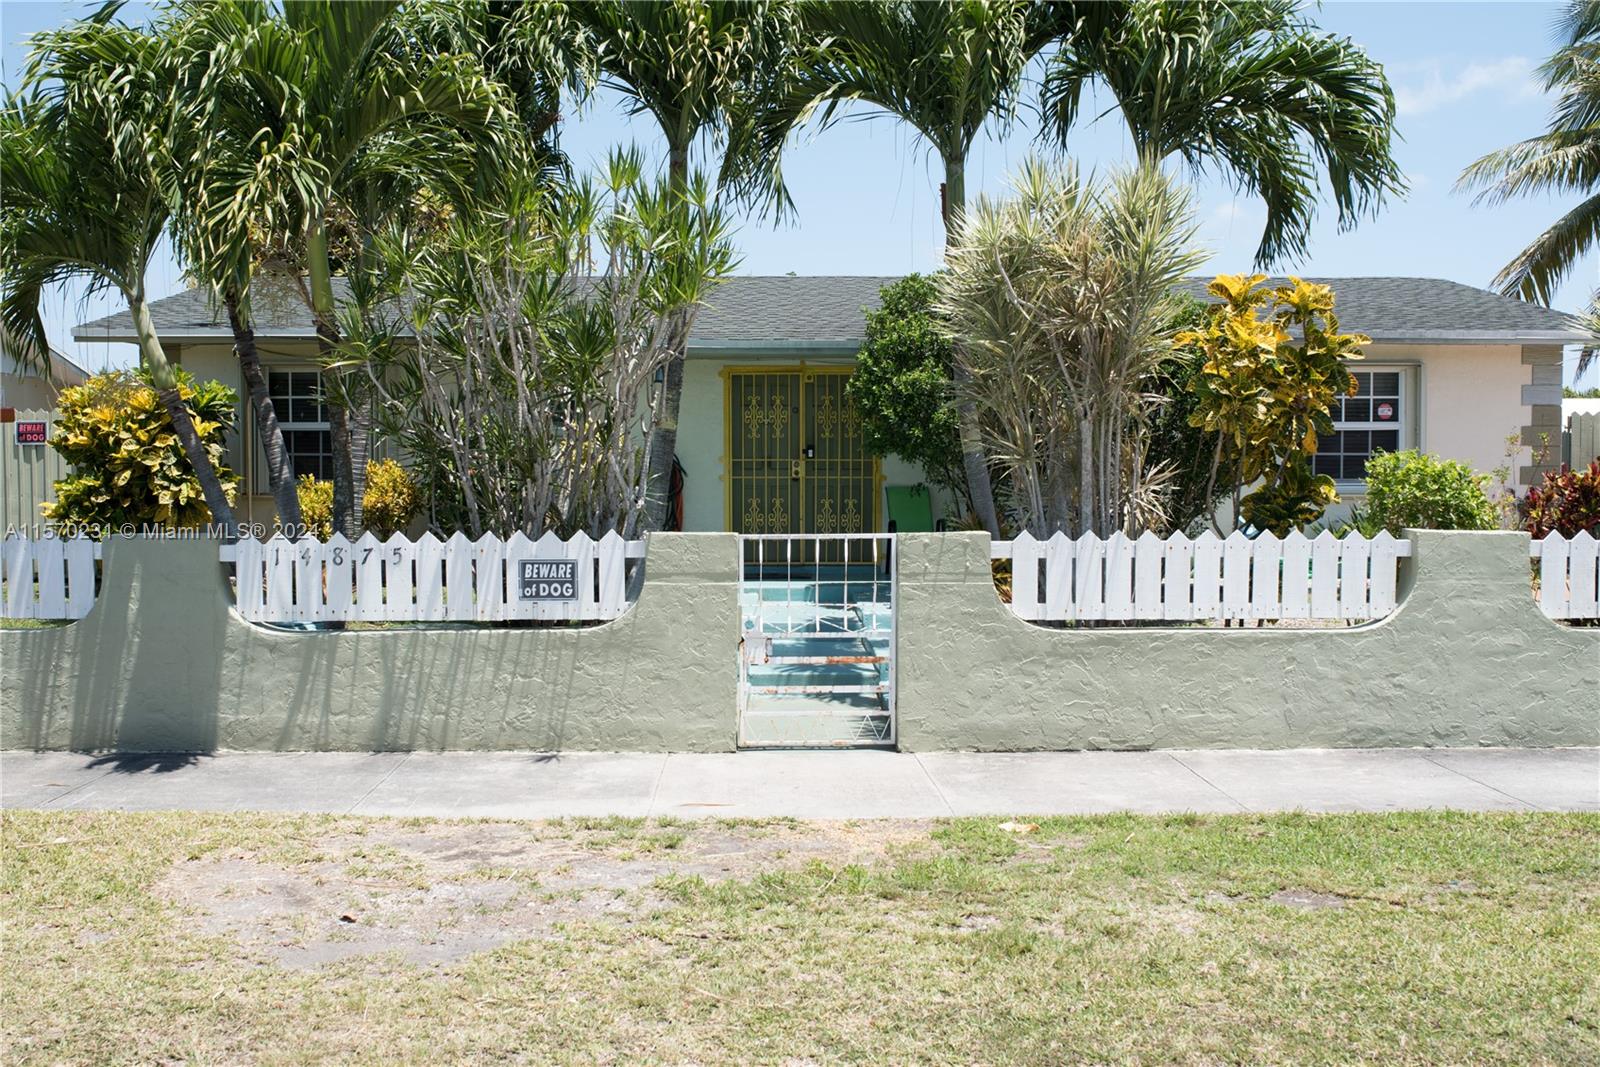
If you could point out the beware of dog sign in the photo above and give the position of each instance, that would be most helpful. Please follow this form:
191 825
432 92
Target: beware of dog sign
548 579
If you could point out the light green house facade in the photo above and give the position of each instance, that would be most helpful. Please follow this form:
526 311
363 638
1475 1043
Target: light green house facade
764 417
768 442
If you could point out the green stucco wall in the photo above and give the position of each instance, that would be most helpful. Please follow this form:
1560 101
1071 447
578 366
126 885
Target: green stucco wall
1466 660
162 663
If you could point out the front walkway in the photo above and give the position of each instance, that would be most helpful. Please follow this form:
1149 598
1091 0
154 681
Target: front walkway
814 785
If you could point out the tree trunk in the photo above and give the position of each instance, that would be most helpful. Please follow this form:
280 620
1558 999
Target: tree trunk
280 472
343 430
979 485
194 449
358 420
662 447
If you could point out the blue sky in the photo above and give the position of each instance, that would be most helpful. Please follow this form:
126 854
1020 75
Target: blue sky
867 190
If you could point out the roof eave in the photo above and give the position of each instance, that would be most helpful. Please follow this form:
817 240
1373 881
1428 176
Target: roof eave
832 346
187 335
1479 337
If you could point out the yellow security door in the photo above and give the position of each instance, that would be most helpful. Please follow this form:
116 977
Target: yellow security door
840 479
796 459
764 452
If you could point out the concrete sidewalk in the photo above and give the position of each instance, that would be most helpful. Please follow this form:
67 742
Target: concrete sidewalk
815 785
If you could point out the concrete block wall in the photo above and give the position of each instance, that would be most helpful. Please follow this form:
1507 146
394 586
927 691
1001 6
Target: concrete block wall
163 663
1467 659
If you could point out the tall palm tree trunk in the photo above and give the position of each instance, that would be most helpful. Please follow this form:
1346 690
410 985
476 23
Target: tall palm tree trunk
662 446
194 449
347 432
280 472
973 461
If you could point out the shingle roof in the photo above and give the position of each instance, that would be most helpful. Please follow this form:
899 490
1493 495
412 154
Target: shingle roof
825 312
1433 309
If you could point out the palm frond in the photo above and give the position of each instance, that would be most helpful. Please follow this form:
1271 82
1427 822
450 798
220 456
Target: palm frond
1564 159
1253 90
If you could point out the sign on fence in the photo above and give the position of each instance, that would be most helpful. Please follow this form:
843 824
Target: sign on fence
428 580
548 580
1178 579
29 468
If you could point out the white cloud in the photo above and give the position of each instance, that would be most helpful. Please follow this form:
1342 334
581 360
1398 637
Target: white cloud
1439 84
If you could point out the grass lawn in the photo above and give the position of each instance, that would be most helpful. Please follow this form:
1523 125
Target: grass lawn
1432 938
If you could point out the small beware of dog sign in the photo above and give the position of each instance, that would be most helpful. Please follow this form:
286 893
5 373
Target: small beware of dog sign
548 579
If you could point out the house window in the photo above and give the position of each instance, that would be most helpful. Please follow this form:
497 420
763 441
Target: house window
303 416
1371 421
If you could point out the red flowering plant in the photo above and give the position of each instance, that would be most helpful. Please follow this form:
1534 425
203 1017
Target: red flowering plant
1567 502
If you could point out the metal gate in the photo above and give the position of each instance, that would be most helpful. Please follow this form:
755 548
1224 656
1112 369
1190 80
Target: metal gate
797 459
817 655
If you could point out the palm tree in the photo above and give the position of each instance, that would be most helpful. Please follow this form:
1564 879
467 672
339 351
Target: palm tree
325 93
220 244
688 64
1250 87
80 156
1563 159
943 67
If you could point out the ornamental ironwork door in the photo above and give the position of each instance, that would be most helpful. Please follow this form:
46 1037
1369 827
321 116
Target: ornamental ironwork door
796 459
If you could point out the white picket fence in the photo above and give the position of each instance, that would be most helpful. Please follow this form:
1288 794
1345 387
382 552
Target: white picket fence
1178 579
47 578
426 580
1569 575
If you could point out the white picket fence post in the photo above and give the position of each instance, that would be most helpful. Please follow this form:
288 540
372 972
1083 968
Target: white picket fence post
49 578
427 580
1569 575
1176 579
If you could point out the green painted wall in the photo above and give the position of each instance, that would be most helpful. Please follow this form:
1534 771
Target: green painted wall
163 663
1466 660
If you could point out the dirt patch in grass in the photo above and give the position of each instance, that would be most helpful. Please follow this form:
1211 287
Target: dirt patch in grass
435 894
243 939
1308 900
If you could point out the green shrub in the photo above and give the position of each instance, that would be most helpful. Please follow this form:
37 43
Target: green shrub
391 501
392 498
1420 490
1568 501
128 465
1177 446
316 505
901 388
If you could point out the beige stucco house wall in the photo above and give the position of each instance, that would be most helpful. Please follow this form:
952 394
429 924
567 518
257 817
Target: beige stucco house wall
1464 401
211 360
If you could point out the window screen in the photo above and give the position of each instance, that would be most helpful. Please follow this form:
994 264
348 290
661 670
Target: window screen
1371 421
303 415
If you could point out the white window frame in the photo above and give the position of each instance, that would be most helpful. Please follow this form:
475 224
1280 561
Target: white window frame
286 422
1403 424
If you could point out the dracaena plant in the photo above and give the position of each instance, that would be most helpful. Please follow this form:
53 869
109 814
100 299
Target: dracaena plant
537 323
1274 366
1059 299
